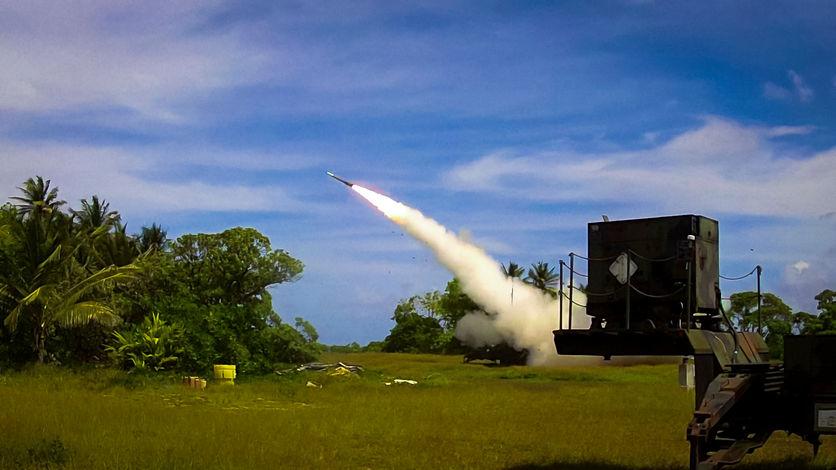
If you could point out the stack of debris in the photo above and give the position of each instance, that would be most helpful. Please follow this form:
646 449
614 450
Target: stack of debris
337 365
337 368
194 382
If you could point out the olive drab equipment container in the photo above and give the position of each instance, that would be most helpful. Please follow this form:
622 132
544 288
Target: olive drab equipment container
653 289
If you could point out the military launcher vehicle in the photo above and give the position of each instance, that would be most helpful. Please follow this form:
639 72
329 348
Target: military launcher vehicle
653 289
503 354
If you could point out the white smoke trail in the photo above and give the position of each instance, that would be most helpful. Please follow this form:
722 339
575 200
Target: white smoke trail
524 321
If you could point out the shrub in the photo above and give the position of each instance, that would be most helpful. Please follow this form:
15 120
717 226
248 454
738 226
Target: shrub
152 345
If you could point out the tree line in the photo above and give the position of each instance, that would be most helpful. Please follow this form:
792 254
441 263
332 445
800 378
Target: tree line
777 319
426 323
76 287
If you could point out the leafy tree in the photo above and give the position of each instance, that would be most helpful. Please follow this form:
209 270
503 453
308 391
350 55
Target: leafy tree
15 346
280 343
776 317
827 311
413 332
215 285
67 278
40 278
374 346
235 266
152 238
542 276
806 323
454 304
822 323
427 323
744 310
307 329
116 247
352 347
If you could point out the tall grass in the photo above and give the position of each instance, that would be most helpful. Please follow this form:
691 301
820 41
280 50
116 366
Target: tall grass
458 416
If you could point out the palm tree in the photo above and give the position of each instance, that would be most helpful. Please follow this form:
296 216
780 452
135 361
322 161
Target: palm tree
152 238
41 279
37 197
542 276
117 248
96 214
513 270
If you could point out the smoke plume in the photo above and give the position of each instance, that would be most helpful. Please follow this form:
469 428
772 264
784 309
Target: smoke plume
519 314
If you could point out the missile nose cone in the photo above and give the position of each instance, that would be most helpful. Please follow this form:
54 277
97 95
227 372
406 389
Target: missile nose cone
347 183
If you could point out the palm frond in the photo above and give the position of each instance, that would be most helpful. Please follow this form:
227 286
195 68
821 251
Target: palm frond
83 313
33 296
14 316
52 259
110 273
6 294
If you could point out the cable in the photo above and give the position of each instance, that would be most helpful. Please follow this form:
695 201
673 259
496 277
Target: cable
740 277
579 305
600 294
595 259
652 260
652 296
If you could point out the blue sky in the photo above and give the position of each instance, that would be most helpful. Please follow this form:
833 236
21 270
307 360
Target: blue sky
516 122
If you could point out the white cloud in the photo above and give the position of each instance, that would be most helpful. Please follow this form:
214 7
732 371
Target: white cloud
802 90
121 176
249 160
803 280
801 266
776 92
720 167
651 137
799 89
146 57
780 131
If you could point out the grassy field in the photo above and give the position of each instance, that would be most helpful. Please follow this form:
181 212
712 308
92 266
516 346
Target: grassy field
458 416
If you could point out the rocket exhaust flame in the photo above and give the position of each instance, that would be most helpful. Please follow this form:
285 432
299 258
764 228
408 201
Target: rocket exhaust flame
390 207
525 323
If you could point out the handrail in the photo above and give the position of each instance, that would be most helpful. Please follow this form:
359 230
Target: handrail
571 283
560 299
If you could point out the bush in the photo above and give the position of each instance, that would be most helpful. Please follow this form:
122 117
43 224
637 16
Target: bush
153 345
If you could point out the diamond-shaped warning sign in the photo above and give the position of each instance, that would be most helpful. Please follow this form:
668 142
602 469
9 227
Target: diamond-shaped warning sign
620 269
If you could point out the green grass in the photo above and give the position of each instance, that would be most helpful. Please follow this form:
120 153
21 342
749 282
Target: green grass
458 416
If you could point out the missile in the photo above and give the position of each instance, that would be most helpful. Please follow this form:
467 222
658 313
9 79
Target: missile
349 184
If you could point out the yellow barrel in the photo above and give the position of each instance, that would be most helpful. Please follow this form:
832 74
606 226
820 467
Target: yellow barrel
225 373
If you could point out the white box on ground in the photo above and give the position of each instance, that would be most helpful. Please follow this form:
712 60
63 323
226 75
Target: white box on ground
826 419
